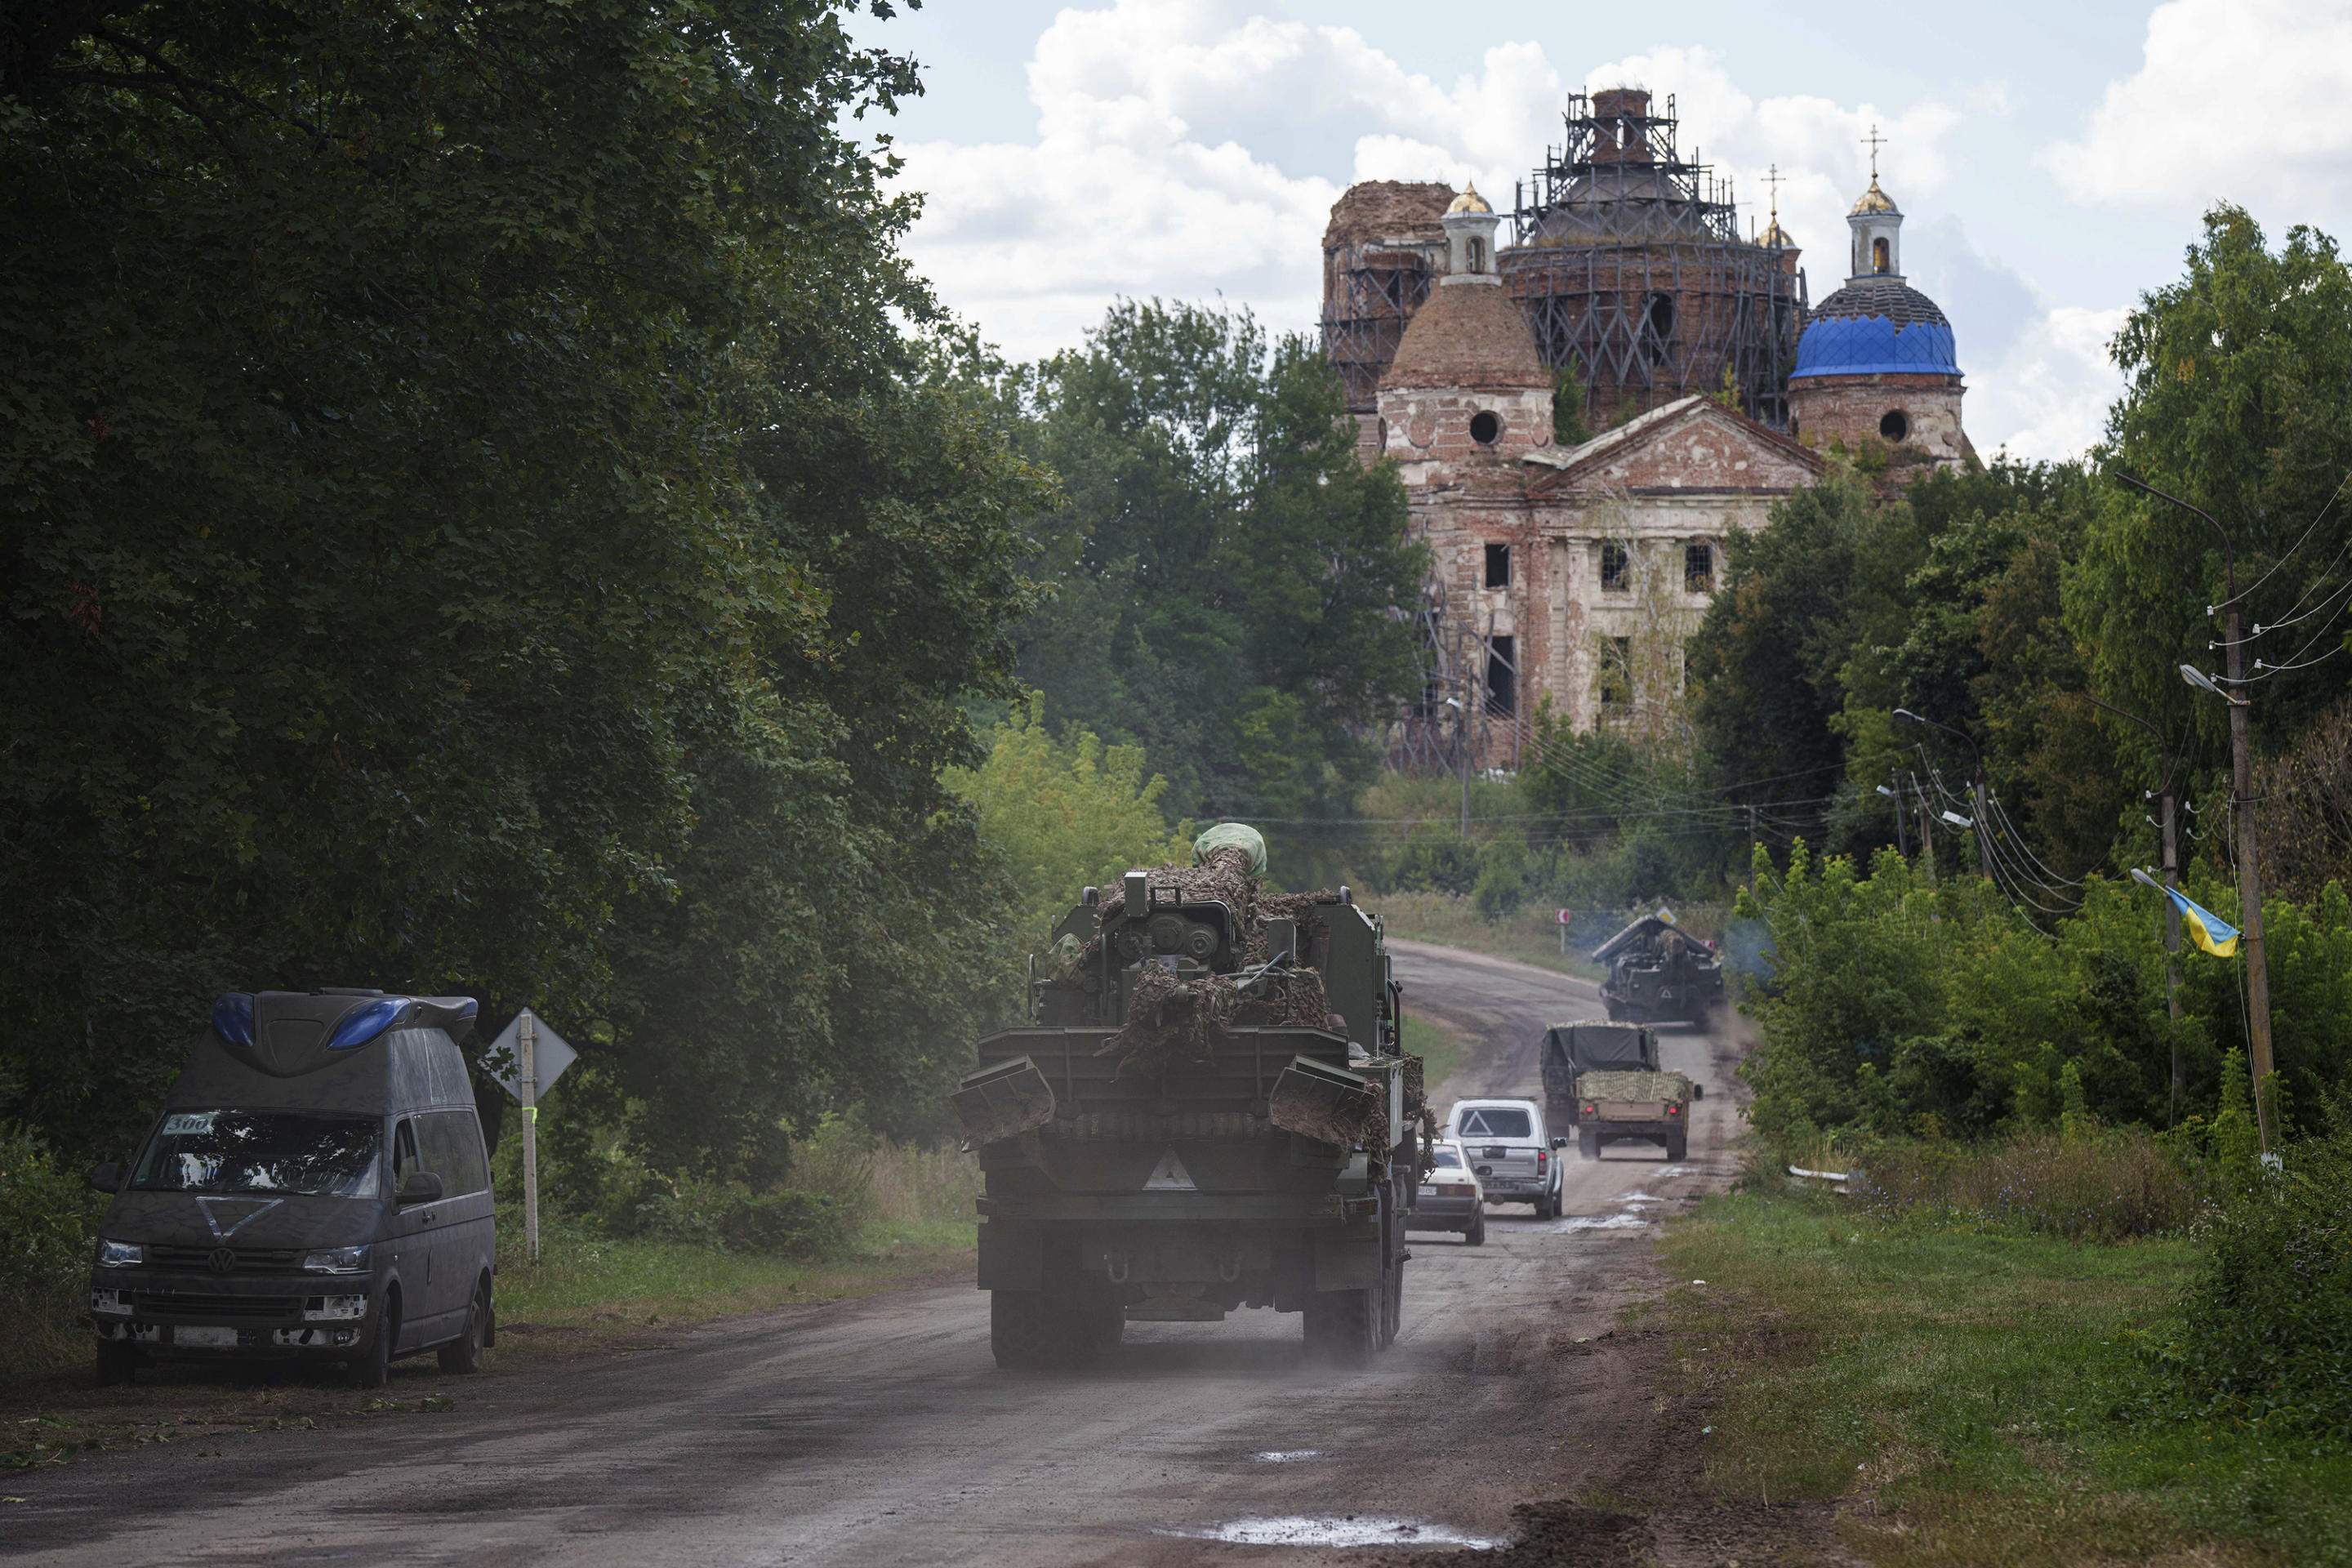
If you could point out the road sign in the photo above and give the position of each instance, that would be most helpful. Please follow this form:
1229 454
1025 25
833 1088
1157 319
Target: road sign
550 1056
1560 917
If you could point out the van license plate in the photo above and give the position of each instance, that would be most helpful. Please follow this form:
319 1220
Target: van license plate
216 1339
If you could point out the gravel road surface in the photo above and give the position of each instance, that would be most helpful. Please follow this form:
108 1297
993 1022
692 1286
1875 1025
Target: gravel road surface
878 1432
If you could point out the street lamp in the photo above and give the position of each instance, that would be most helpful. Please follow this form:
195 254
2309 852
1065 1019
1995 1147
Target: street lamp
2241 781
1984 864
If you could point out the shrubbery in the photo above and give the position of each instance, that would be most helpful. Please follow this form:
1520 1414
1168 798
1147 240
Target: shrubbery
2094 1185
47 1223
2266 1333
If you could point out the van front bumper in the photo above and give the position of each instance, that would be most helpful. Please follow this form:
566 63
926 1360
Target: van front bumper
293 1316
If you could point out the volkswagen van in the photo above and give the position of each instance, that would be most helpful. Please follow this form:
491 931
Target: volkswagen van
315 1188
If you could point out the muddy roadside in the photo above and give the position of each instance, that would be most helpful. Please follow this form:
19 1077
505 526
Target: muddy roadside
63 1417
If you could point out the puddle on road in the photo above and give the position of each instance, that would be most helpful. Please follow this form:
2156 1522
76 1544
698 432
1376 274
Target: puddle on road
1288 1455
1357 1530
1638 1199
1597 1222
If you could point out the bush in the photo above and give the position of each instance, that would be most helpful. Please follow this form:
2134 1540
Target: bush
2267 1329
792 1223
2093 1186
48 1222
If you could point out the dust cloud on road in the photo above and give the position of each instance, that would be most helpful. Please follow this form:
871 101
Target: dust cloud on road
879 1432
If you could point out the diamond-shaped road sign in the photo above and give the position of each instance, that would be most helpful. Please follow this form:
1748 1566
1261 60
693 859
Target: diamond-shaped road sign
550 1055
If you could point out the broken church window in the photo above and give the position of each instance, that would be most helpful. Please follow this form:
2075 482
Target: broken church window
1502 677
1616 570
1498 565
1612 684
1698 568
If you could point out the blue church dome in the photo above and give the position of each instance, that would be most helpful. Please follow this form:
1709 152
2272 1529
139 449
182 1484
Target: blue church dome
1876 326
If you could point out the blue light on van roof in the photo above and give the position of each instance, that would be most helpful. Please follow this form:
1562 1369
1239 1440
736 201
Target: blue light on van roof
233 1017
364 1024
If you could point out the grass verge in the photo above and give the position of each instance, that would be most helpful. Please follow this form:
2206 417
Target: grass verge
1529 935
584 1282
1440 1046
1973 1397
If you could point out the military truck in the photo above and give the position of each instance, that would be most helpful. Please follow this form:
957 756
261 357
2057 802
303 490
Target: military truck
1206 1109
1603 1079
1659 975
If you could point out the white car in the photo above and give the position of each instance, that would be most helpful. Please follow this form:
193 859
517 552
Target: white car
1507 1145
1450 1198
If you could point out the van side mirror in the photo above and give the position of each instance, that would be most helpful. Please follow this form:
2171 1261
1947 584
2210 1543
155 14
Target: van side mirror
106 1178
421 1187
1698 1092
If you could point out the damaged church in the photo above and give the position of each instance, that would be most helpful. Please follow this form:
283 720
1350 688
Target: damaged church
1623 300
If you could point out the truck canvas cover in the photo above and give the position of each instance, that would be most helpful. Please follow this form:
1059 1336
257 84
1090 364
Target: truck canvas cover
1596 1048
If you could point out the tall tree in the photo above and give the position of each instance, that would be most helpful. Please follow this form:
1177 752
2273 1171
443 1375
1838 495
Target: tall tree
471 518
1229 574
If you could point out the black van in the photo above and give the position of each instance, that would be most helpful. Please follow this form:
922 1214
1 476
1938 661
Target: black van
316 1188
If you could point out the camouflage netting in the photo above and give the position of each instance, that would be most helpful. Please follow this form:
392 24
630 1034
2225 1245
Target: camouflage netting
1171 1023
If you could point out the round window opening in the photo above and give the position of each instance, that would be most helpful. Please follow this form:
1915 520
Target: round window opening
1484 426
1894 426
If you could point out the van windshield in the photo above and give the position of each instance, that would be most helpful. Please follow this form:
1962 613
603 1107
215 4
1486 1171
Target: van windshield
1495 1121
261 1151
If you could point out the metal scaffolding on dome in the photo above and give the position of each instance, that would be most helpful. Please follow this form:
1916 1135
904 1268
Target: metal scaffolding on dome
1629 264
1383 251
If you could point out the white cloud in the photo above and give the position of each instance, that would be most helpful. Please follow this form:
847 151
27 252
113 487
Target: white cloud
2048 396
1191 149
2235 100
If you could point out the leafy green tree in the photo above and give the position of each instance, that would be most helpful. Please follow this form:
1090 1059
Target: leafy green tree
1228 573
2234 402
1066 813
473 516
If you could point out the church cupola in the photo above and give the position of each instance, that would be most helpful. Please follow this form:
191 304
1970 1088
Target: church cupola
1877 364
1877 226
1470 226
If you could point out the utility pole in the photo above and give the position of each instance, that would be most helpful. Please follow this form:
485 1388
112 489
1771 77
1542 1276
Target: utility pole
1926 832
2241 779
1751 838
2167 799
527 1076
1902 828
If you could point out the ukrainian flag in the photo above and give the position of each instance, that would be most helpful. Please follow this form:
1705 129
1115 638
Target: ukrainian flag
2206 929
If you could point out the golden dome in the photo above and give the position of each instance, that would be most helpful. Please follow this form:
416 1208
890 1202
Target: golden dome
1874 200
1775 235
1469 201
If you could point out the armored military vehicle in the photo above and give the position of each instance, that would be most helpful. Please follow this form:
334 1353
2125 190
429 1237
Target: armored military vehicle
1603 1079
1658 975
1207 1109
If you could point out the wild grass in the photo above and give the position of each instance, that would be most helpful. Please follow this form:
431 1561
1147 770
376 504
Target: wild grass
1973 1396
1441 1047
2096 1186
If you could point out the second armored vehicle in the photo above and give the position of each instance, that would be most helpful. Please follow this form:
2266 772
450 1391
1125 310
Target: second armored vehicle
1603 1079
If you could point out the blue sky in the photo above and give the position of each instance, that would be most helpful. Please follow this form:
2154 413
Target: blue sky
2052 158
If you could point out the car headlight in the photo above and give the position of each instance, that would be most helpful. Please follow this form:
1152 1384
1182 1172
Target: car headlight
121 1254
336 1260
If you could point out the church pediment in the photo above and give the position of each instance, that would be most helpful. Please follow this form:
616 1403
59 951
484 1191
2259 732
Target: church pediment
1694 444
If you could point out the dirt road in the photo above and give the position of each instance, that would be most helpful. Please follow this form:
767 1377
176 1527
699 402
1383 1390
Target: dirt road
878 1432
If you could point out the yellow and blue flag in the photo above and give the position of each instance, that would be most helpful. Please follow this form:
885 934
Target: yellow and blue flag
2206 929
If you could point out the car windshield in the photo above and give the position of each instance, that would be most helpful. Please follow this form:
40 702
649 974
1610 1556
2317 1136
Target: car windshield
1495 1121
261 1151
1448 1160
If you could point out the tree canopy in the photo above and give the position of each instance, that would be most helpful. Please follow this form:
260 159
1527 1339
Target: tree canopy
475 516
1229 576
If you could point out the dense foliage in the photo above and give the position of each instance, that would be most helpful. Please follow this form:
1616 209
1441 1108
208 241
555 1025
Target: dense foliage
1228 572
1064 813
1900 1005
473 517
